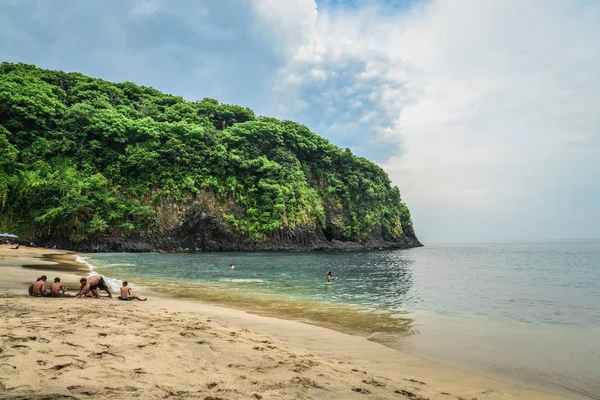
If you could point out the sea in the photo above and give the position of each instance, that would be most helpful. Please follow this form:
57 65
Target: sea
524 312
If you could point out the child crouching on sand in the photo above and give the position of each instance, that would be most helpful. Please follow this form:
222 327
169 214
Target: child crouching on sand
126 294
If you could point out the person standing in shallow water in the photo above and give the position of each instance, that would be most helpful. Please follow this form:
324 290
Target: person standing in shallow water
330 278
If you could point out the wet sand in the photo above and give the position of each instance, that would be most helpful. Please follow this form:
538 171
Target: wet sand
171 348
18 268
339 317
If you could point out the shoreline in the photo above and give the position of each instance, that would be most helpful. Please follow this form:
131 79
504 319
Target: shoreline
385 368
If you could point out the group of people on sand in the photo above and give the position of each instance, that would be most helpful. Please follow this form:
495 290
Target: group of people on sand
89 288
38 288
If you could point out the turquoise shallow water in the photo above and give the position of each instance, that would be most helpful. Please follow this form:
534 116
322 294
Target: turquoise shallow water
485 301
555 283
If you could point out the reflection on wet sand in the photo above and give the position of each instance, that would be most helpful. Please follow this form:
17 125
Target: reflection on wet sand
343 318
61 262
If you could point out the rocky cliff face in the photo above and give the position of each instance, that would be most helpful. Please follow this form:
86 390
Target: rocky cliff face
198 227
208 236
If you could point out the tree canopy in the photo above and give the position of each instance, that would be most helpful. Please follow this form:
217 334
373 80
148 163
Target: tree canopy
82 157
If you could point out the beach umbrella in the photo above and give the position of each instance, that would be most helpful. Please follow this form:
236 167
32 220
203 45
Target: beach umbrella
8 235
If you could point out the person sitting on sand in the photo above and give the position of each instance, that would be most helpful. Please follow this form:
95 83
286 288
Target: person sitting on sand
330 278
58 289
39 287
17 247
126 294
31 286
92 285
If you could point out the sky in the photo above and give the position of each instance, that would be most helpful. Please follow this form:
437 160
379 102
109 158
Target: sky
486 114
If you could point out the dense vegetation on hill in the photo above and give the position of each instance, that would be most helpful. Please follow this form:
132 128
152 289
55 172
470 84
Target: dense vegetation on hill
82 158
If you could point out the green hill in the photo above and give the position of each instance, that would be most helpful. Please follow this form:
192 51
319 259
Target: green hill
98 166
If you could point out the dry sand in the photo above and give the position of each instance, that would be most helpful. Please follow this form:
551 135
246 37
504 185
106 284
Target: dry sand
167 348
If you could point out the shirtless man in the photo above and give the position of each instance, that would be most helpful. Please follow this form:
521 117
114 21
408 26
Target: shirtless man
39 288
31 286
92 285
58 289
126 294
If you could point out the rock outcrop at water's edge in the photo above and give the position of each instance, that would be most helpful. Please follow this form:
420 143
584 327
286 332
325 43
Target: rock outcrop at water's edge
197 229
205 242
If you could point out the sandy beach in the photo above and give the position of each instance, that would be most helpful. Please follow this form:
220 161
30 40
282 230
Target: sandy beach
169 348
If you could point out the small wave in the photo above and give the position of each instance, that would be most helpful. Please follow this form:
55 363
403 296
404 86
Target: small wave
83 260
243 280
113 283
119 265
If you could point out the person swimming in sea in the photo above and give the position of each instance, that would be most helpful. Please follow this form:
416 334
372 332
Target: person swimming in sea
126 294
330 278
231 266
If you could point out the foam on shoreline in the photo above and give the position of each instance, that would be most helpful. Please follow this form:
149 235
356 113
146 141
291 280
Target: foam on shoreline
240 280
113 283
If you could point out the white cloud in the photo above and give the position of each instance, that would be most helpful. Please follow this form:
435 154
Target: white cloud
291 21
147 7
483 112
491 101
